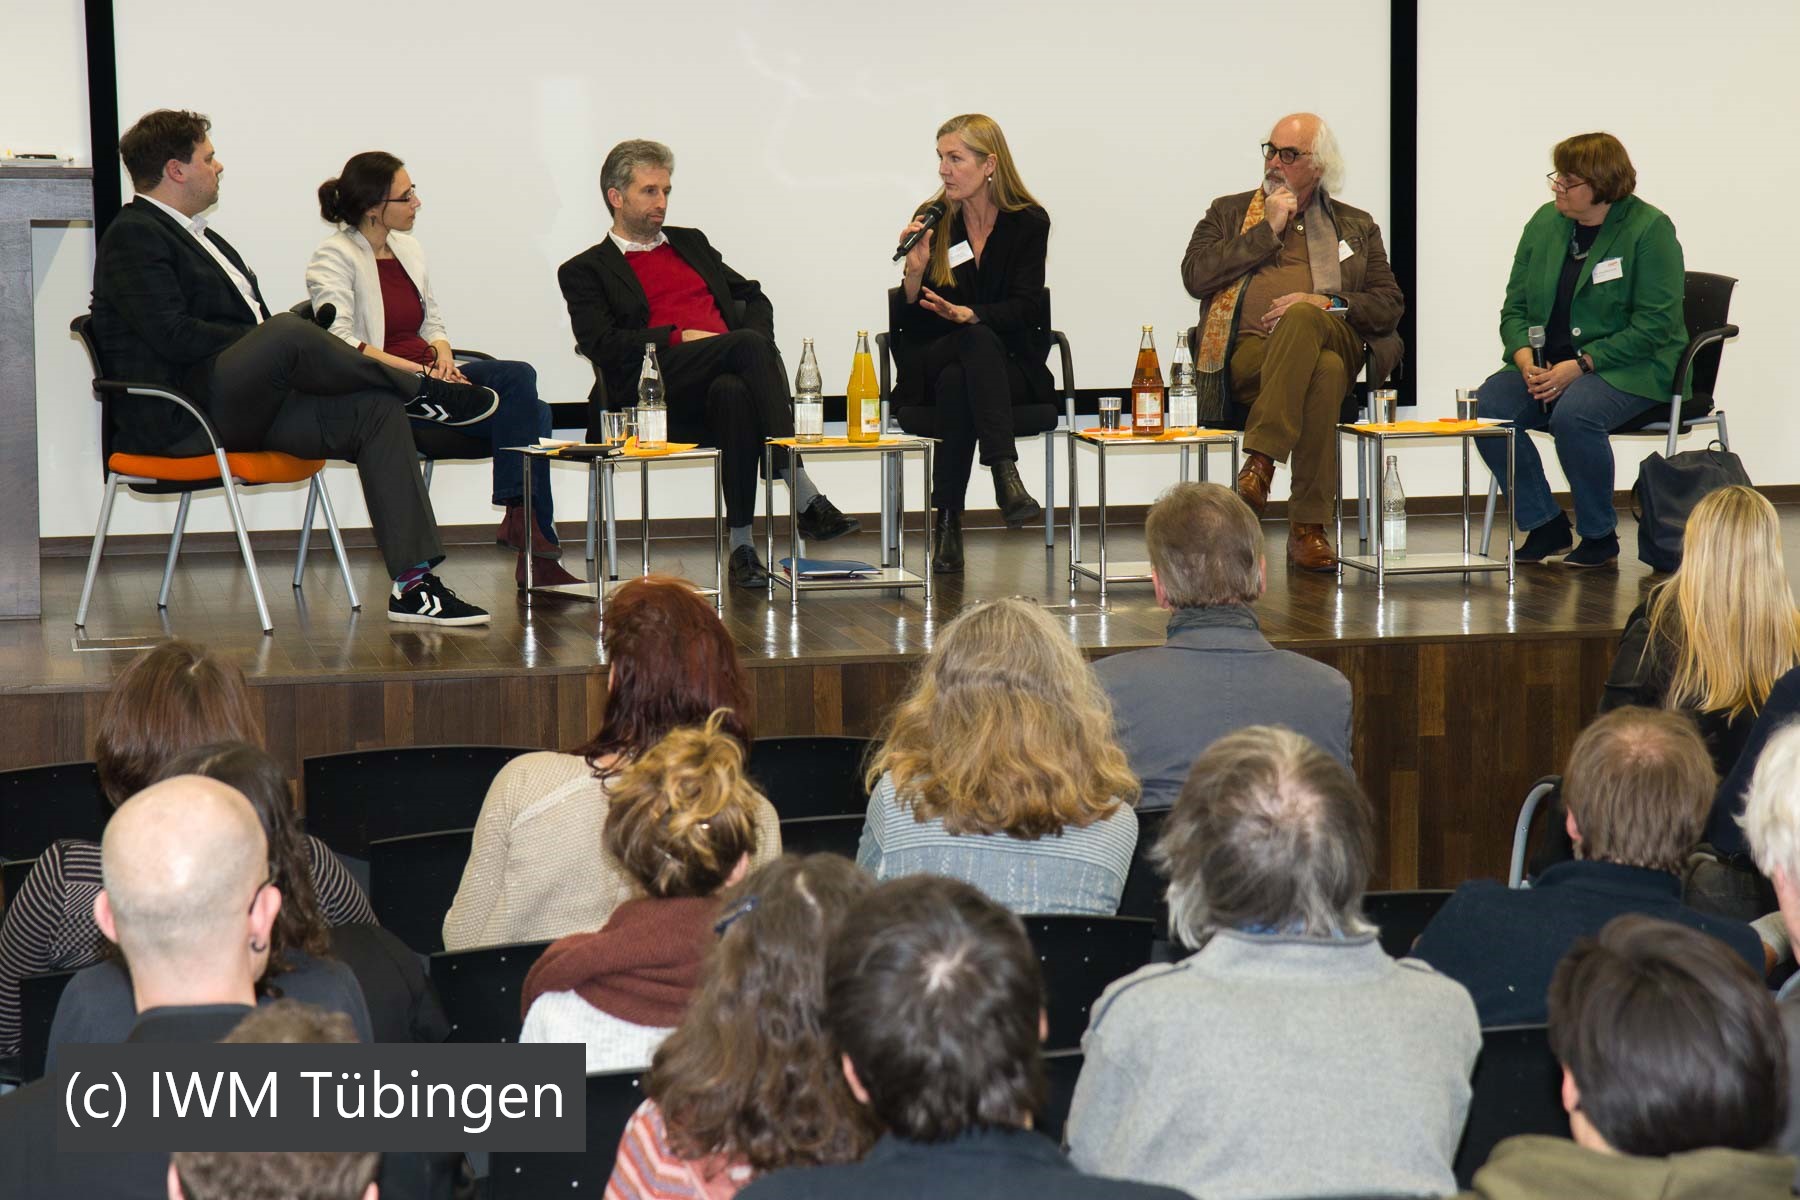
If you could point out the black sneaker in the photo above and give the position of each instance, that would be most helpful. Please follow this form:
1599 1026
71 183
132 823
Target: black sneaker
1553 537
746 570
821 521
1594 552
452 403
430 602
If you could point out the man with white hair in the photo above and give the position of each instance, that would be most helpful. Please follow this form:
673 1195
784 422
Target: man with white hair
1295 294
1771 824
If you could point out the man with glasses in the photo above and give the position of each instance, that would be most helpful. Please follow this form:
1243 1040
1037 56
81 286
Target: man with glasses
1295 294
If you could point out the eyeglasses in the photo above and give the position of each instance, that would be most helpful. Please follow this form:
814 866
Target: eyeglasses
1563 183
735 913
1287 154
406 197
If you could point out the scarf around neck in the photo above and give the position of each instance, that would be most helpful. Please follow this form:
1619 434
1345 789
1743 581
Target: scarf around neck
641 967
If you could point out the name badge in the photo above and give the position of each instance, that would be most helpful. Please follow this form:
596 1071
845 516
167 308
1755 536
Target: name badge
1610 268
1344 250
960 254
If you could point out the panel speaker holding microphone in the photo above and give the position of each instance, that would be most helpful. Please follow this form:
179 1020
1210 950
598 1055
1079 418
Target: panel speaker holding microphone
970 330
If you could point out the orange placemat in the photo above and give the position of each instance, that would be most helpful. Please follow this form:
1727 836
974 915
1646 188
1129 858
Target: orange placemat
631 449
1167 435
1447 425
838 441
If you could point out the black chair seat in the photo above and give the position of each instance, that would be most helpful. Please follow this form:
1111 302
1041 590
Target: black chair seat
367 795
1079 956
413 880
611 1099
1402 916
810 776
822 835
480 989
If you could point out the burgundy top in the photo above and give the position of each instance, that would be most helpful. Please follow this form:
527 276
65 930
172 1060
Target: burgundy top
677 294
404 313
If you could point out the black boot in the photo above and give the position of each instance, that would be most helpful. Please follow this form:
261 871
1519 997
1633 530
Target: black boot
946 554
1016 505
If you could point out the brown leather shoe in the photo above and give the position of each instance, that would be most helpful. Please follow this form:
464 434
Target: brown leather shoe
511 534
1253 480
545 572
1308 548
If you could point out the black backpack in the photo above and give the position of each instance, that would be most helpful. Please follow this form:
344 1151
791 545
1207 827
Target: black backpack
1666 492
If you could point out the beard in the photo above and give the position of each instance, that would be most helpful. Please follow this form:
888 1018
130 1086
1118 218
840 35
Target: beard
1273 182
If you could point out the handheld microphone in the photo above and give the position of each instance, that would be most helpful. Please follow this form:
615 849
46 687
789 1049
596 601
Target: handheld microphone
934 212
1535 335
324 315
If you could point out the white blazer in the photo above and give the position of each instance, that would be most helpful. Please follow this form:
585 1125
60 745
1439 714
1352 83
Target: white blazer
342 272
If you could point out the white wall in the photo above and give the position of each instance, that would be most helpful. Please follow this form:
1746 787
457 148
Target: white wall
1703 103
803 134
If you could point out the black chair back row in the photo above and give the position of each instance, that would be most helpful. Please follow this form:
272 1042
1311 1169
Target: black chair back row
822 835
1402 916
810 776
413 880
369 795
39 805
1517 1089
1143 895
480 989
611 1099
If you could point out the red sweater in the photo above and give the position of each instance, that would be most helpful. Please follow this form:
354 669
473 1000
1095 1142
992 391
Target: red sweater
677 294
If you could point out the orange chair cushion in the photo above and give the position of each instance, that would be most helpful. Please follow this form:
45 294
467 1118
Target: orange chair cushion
251 466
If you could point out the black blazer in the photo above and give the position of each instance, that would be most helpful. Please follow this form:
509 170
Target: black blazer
611 315
163 310
1007 294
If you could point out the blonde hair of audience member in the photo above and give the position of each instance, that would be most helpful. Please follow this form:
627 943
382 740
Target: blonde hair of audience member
982 135
1005 731
1728 611
1270 834
1771 820
1206 548
683 814
1638 787
750 1074
185 866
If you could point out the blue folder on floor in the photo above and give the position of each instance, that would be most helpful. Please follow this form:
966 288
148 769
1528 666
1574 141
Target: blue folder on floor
830 568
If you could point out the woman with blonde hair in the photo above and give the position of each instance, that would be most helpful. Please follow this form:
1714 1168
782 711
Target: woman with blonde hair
1708 650
971 331
750 1082
683 825
1000 769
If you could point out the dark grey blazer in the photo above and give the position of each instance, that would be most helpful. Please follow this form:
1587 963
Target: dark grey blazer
1171 702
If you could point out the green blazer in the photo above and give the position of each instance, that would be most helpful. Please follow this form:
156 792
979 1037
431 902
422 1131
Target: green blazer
1633 326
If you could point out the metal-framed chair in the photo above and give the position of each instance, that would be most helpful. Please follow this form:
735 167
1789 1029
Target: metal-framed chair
1029 421
1542 790
1706 307
183 475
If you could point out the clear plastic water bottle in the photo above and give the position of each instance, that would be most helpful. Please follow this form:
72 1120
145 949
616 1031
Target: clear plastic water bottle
652 405
1184 391
1393 511
809 398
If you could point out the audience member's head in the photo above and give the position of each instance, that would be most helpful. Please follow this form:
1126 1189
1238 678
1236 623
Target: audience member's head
1206 548
1668 1042
186 870
683 814
750 1075
1269 835
172 697
933 994
1771 819
299 926
156 139
1638 787
671 664
285 1174
1728 644
1006 730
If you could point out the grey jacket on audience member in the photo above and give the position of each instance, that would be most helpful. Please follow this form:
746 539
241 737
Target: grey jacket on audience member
1274 1065
1789 1002
1216 674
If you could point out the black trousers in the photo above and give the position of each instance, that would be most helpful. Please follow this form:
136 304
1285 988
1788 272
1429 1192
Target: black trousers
289 386
971 386
731 392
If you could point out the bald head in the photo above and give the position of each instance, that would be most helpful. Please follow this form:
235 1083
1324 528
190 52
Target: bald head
182 861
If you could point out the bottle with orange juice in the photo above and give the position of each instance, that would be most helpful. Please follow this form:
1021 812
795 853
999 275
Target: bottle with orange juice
862 397
1147 390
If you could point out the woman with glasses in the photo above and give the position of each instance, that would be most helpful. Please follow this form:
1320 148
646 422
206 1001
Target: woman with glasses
372 271
1592 328
971 343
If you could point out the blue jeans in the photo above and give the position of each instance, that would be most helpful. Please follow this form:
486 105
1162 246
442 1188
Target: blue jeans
519 421
1579 420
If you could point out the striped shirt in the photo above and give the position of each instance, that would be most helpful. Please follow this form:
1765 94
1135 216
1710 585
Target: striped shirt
49 925
647 1169
1080 870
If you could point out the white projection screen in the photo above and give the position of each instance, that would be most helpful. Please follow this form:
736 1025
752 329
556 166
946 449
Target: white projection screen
803 135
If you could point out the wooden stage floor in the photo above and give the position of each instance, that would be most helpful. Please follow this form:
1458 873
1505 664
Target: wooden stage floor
1464 692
